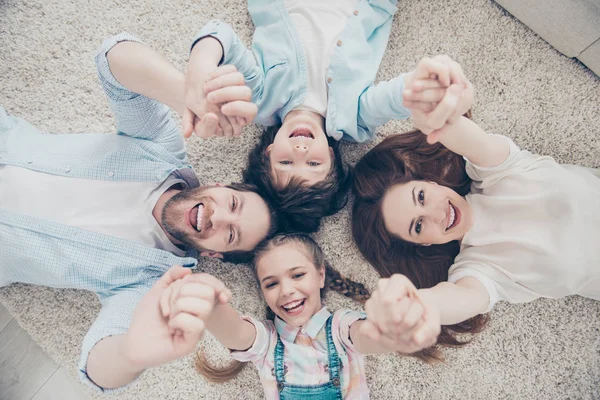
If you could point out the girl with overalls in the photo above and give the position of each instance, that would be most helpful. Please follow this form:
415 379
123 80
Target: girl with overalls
303 351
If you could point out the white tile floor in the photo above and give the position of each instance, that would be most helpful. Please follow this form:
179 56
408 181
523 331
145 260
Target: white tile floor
26 372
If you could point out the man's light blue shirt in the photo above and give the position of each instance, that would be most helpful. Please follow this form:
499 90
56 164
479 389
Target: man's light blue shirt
276 72
147 148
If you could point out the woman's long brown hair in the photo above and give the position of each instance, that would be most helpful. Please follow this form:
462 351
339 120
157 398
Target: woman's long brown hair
396 160
333 281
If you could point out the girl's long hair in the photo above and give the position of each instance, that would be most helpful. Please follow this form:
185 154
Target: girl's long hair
396 160
333 281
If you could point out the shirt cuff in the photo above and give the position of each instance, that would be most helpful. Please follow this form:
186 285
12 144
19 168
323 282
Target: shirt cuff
88 344
218 30
260 347
112 87
344 320
490 285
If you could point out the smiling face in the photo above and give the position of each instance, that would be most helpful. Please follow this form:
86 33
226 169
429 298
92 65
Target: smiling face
290 283
300 149
426 213
216 219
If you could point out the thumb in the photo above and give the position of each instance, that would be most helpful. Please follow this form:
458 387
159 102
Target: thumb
188 122
174 273
207 126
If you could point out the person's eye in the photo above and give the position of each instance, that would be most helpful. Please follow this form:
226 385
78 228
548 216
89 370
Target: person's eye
421 197
230 235
270 285
314 163
298 275
285 162
418 226
233 203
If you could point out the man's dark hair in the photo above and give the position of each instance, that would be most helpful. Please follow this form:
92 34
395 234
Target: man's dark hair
242 256
300 206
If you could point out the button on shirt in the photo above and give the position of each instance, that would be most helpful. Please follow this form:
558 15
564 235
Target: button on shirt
305 353
147 148
276 68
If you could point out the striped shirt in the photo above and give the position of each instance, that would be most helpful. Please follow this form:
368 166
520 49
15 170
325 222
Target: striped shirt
305 353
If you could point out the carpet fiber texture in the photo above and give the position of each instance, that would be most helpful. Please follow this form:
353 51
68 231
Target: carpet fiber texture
549 104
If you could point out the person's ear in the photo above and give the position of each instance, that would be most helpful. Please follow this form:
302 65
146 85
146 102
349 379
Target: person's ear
322 277
211 254
219 184
268 149
331 153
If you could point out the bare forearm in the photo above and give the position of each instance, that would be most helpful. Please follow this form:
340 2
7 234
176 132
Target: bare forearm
108 363
204 58
466 138
457 303
228 328
142 70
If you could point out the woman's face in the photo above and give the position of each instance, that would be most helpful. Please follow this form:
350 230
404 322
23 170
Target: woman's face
426 213
291 283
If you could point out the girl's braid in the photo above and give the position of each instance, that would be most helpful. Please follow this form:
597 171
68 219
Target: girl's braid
335 281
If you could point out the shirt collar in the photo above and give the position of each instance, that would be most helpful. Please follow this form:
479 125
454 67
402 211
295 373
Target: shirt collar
312 327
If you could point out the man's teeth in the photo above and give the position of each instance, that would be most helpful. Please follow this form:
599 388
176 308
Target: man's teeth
199 218
293 304
452 216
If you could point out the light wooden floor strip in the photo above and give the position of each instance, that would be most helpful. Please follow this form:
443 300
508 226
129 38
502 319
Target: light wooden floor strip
26 372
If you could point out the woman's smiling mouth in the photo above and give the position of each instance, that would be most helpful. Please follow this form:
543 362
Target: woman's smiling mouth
453 216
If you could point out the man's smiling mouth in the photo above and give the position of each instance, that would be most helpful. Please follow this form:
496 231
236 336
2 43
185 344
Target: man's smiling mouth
196 217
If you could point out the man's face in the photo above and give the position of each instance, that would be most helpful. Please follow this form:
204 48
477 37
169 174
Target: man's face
216 219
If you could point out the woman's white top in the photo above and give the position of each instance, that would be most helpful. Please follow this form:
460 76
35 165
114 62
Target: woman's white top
536 230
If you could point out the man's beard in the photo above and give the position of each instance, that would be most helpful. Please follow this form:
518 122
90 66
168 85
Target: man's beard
172 215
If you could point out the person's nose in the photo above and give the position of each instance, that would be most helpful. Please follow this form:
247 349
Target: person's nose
300 148
222 219
287 287
437 214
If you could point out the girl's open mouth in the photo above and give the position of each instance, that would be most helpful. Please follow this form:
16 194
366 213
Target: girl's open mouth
294 307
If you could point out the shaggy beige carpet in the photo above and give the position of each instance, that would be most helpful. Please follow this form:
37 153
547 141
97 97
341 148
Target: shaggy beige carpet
548 349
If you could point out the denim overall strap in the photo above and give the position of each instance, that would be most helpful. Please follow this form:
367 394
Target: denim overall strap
279 370
334 360
327 391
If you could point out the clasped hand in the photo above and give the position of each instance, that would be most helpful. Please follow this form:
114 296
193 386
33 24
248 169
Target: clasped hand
217 104
437 93
398 319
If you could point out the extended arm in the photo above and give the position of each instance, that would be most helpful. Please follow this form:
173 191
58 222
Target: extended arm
466 138
120 351
206 297
458 301
143 71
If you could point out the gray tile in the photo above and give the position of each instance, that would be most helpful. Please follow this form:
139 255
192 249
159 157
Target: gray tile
24 367
61 386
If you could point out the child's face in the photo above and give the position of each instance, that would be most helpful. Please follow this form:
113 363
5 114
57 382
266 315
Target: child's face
300 149
290 283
